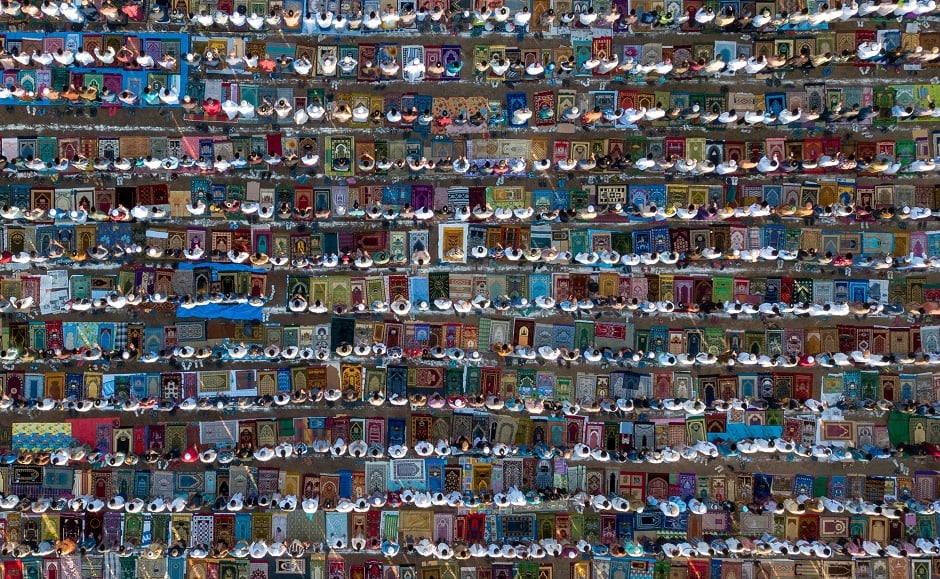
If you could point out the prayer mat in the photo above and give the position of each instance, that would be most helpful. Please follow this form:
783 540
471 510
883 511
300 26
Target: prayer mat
450 54
516 101
544 108
339 152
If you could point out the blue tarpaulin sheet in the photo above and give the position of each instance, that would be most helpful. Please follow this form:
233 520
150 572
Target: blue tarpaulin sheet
234 312
738 432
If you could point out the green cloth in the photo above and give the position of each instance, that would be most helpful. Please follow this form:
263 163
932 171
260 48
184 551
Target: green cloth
820 486
722 288
454 381
899 428
774 417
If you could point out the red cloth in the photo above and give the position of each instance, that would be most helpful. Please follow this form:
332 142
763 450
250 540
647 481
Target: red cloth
54 334
274 144
85 430
133 12
211 107
13 569
699 569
